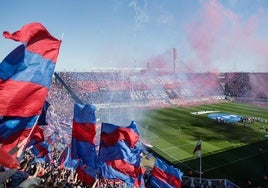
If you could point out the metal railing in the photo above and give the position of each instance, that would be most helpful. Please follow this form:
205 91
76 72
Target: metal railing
193 182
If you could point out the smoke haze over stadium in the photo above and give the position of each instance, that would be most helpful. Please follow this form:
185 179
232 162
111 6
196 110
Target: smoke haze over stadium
213 35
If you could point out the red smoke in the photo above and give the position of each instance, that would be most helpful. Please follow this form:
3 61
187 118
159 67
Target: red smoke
221 34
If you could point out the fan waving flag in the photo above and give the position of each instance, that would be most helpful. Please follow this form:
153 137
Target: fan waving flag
165 176
26 73
83 142
119 158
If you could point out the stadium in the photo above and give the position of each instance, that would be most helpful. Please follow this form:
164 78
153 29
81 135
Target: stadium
173 111
153 127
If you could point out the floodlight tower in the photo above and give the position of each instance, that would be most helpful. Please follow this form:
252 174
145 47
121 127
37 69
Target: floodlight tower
175 59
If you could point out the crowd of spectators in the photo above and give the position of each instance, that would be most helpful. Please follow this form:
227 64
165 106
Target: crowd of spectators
34 173
246 86
238 85
103 87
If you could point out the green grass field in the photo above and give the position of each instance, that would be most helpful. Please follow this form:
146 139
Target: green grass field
230 151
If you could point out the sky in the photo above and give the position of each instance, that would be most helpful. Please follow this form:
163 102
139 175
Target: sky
208 35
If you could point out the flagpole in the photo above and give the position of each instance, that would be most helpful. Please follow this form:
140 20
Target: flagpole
200 168
35 123
21 145
98 156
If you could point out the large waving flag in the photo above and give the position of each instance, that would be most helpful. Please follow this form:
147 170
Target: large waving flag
84 142
119 158
25 78
165 176
26 73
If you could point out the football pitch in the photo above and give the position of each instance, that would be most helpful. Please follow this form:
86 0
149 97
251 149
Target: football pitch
237 151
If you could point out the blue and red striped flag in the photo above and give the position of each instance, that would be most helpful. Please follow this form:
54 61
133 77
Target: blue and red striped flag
25 78
26 73
119 158
44 159
84 142
65 159
40 149
165 176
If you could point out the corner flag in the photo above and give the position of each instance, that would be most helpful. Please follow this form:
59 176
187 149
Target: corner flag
198 147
